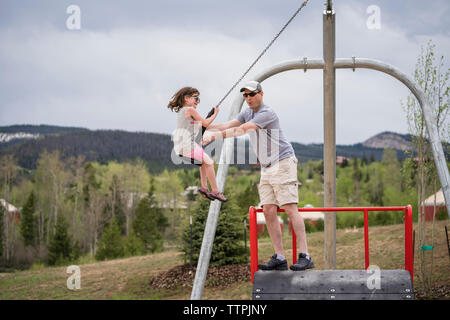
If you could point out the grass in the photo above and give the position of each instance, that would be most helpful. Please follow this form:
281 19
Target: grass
129 278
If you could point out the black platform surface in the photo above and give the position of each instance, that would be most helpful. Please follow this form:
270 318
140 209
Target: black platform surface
333 285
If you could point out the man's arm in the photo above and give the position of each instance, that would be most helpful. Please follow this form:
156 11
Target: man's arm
239 131
230 132
223 126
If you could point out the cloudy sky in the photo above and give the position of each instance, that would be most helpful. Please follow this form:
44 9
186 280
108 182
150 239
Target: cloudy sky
128 58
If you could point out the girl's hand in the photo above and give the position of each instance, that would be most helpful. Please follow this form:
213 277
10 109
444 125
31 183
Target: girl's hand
216 110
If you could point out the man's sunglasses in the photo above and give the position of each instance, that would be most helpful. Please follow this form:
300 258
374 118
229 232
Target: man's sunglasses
251 94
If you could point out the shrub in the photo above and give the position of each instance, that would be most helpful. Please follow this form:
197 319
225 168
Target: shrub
319 225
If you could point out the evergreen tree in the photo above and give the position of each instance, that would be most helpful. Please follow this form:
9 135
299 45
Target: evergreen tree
356 171
161 220
228 243
89 182
111 244
133 245
59 250
364 160
115 207
247 198
28 227
344 163
150 222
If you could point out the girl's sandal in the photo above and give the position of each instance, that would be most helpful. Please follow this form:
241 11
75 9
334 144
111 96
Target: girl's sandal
219 196
205 193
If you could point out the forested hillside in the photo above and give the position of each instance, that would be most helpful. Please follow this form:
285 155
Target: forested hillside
153 148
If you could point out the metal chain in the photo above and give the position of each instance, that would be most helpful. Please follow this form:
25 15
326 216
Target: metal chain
264 51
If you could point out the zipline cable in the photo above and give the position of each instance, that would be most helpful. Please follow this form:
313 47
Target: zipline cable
211 112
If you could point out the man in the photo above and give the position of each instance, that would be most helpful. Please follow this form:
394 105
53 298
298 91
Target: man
278 183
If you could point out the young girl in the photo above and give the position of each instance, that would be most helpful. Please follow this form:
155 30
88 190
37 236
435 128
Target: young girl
189 124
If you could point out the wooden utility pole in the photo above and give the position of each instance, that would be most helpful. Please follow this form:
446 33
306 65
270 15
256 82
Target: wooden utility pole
329 150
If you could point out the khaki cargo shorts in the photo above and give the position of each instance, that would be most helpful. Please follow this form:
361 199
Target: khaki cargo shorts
279 184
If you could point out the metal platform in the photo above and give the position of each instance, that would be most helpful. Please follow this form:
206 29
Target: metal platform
332 285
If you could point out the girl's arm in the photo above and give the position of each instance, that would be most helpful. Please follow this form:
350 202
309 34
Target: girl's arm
191 112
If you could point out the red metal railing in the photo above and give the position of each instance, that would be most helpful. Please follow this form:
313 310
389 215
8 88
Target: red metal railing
408 233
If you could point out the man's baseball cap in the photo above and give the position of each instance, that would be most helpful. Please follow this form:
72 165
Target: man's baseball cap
252 86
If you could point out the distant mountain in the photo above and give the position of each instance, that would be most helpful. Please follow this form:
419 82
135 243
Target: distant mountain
98 145
315 152
390 140
40 129
17 134
27 142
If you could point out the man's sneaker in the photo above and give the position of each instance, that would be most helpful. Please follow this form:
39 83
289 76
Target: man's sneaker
274 264
302 263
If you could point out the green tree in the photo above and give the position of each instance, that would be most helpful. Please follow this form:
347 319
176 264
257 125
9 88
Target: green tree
28 228
111 244
114 207
187 177
364 160
357 176
356 171
145 225
433 78
93 202
374 188
344 190
8 171
344 163
59 249
150 222
391 175
168 187
228 245
51 184
133 245
247 198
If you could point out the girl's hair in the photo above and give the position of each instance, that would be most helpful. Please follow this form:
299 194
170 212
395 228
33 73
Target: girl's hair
177 101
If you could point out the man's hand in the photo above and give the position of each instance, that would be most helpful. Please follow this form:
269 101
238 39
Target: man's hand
211 135
207 138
